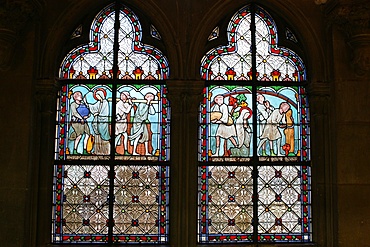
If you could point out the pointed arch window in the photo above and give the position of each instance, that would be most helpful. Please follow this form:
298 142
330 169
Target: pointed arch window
254 138
111 162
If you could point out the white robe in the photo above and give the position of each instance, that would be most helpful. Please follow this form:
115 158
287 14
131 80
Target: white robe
223 130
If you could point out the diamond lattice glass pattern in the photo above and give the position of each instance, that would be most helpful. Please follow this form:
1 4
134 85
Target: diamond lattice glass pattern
140 209
225 203
283 200
81 203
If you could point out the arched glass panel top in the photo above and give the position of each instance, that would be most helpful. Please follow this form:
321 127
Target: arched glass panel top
234 61
136 61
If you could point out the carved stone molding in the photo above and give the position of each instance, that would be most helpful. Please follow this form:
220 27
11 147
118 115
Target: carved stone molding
45 96
185 96
319 93
353 19
8 40
360 45
14 15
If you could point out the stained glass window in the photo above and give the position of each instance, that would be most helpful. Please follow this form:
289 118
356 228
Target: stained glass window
214 34
111 162
154 33
254 181
290 35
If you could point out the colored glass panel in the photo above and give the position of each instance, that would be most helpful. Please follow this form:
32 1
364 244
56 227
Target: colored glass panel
290 35
136 61
282 124
93 60
154 33
284 203
226 124
233 61
214 34
141 206
225 204
77 32
80 203
274 63
84 122
142 123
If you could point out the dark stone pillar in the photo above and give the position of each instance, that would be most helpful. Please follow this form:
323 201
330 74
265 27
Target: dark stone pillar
323 170
41 164
185 97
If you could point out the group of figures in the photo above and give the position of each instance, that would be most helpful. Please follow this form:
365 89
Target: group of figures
90 125
231 124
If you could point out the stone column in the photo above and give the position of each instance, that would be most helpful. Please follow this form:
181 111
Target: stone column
351 83
323 171
41 164
185 97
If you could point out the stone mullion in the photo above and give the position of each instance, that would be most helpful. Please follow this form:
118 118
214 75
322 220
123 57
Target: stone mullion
184 97
323 172
41 173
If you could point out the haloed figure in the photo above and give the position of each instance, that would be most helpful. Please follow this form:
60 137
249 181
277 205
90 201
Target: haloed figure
139 130
100 122
123 107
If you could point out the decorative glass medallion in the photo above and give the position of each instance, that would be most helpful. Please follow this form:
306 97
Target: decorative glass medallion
214 34
154 33
290 35
77 32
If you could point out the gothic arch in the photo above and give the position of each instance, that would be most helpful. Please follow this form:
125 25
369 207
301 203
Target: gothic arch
65 23
286 9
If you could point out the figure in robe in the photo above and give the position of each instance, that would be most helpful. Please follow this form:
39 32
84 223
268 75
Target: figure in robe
100 123
139 130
